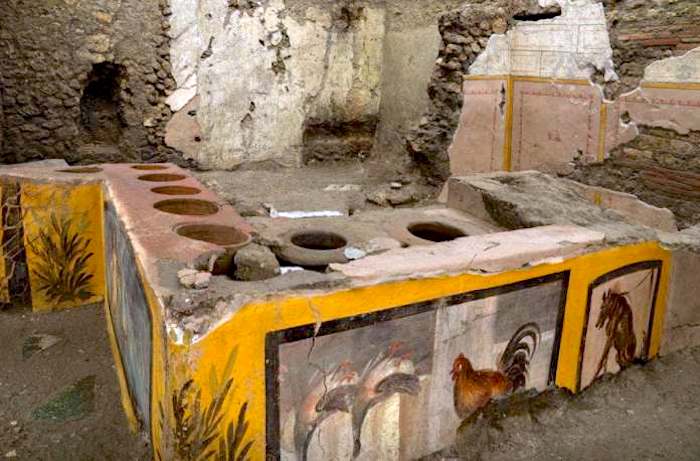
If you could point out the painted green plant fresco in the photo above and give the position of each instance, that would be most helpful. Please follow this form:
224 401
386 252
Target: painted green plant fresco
193 432
62 261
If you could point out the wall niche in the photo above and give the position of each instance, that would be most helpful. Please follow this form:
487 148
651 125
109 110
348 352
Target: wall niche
101 118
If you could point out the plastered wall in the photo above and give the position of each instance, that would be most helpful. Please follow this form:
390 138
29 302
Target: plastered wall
537 98
306 74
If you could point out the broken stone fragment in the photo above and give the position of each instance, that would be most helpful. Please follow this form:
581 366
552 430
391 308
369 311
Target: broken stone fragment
201 280
36 343
387 195
353 253
500 25
191 278
381 245
98 43
255 262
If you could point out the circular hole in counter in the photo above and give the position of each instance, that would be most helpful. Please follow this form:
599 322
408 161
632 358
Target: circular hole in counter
161 177
149 167
81 170
214 233
187 207
318 240
435 231
176 190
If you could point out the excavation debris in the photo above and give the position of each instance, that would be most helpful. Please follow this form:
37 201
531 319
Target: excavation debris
192 278
37 343
255 262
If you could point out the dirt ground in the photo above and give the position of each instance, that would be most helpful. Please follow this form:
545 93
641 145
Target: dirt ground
343 187
62 403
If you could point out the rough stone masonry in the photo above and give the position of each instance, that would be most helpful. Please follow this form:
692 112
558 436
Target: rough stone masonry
84 81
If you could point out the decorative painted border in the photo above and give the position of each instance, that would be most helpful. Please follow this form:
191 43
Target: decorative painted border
632 268
552 94
273 340
510 102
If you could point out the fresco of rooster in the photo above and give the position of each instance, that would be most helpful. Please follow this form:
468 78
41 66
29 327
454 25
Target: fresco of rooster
473 389
618 320
392 371
331 393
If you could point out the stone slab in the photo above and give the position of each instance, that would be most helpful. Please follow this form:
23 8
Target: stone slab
489 253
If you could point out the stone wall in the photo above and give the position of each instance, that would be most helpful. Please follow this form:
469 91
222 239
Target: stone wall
84 80
660 166
466 33
656 142
643 31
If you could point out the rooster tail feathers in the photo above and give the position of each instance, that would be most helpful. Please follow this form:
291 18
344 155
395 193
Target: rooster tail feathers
515 360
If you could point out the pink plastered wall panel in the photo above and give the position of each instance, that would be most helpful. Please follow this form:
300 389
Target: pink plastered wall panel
553 124
478 143
676 108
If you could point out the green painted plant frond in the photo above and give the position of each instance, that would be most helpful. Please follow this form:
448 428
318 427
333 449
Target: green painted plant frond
194 433
61 261
232 446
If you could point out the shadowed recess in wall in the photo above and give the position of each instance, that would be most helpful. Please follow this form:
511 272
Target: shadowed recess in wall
538 13
326 140
100 111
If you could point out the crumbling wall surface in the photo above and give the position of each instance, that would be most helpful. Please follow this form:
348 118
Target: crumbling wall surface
314 80
277 81
84 80
2 122
466 33
660 166
411 44
643 31
528 100
653 139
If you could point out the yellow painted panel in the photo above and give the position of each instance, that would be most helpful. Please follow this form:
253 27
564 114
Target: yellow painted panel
236 349
64 244
160 373
508 140
672 85
4 282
